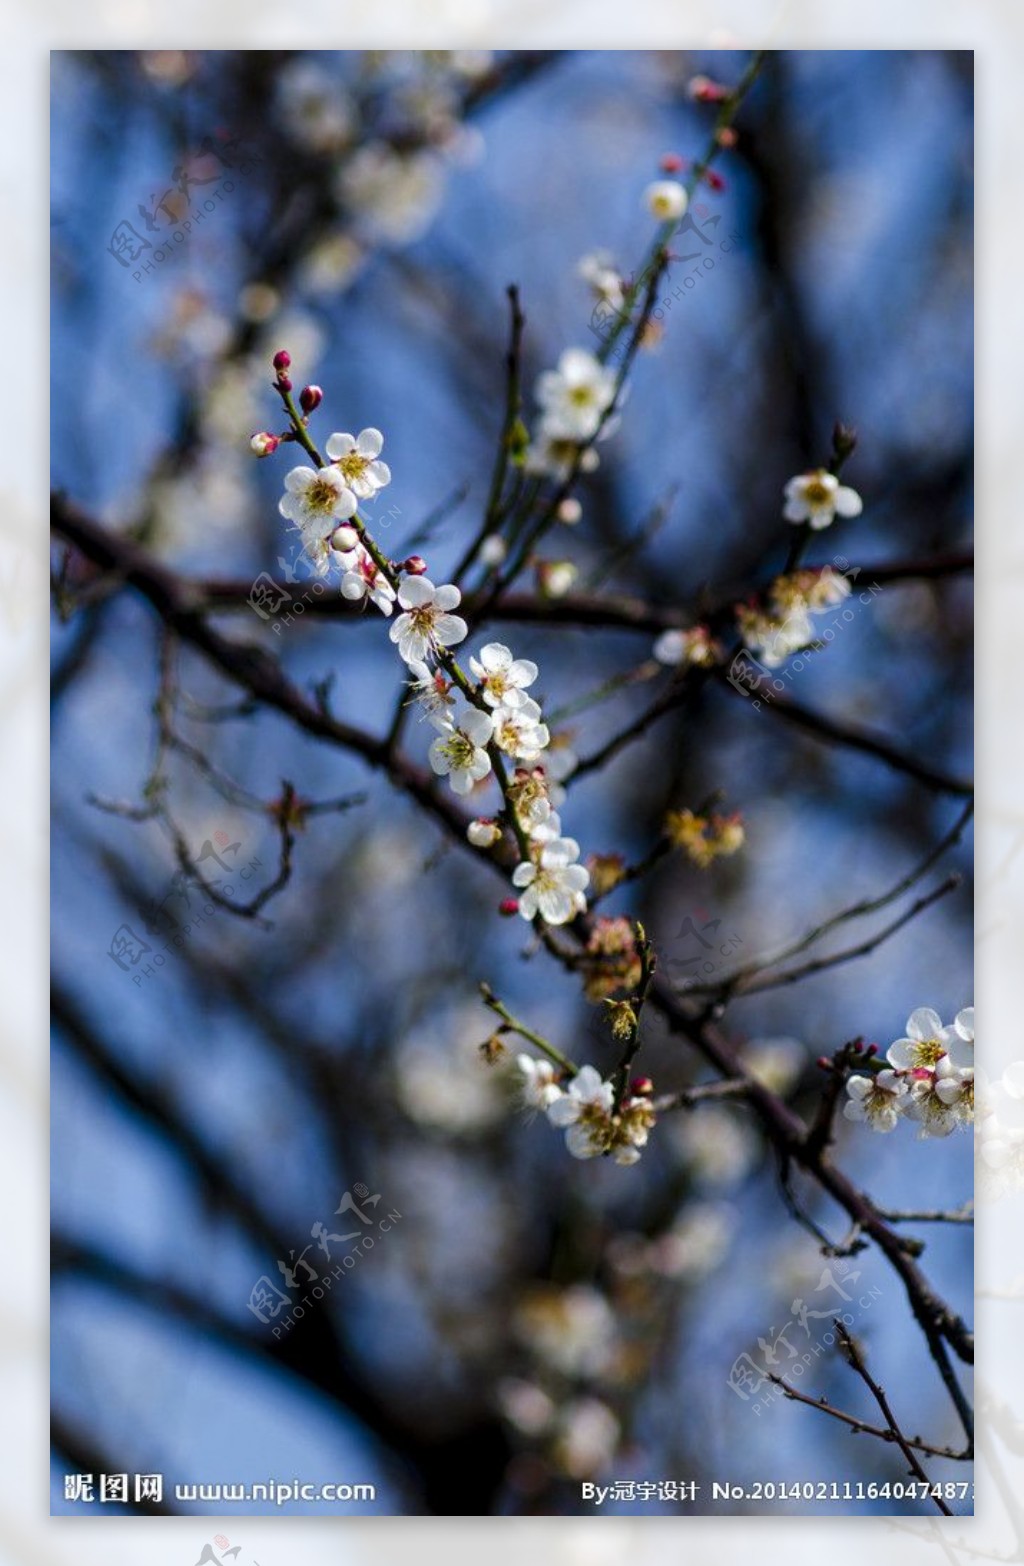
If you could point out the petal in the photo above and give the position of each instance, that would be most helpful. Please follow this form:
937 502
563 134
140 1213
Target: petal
495 657
901 1054
523 874
564 1111
847 502
580 1143
339 445
924 1024
795 510
557 907
299 479
352 586
587 1084
415 592
450 629
380 473
447 597
370 443
858 1087
964 1023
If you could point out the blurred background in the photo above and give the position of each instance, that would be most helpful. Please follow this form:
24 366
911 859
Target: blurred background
528 1322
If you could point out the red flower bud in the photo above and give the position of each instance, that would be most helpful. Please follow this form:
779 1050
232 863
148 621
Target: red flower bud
713 181
264 444
824 1062
310 397
672 163
282 360
284 383
414 566
641 1086
508 906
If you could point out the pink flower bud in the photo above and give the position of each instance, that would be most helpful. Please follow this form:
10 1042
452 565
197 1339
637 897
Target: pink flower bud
703 90
672 163
284 383
282 360
264 444
508 906
727 137
310 398
824 1062
872 1049
641 1086
713 181
414 566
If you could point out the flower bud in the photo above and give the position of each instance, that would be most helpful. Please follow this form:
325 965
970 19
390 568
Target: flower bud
570 511
672 163
483 833
555 577
703 90
264 444
284 383
344 539
282 360
493 550
641 1086
508 906
310 398
713 181
415 565
727 136
666 200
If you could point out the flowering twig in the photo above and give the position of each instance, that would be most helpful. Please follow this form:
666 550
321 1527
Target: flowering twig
861 1426
528 1033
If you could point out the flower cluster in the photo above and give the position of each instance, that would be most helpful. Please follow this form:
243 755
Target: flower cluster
929 1078
587 1112
782 625
612 961
481 720
695 646
704 838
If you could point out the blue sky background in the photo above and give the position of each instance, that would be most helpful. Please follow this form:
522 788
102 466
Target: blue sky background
847 294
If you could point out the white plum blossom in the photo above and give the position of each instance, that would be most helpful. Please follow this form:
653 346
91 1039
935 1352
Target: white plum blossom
926 1043
539 1087
602 276
876 1100
576 396
316 108
460 751
430 689
427 623
593 1126
503 679
556 456
519 732
364 579
818 498
696 646
666 200
773 637
554 886
356 458
315 501
394 195
963 1023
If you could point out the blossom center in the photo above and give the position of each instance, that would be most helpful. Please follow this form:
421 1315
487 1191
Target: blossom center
353 466
321 495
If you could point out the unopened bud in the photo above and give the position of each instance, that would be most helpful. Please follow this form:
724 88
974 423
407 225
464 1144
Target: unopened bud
640 1087
415 565
310 398
284 383
703 90
727 136
672 163
872 1049
555 577
282 360
264 444
844 439
483 833
508 906
713 181
824 1062
493 550
570 511
344 539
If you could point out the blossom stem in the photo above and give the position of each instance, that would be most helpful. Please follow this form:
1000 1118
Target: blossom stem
648 963
543 1044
